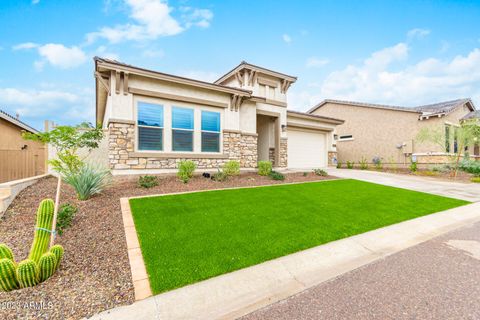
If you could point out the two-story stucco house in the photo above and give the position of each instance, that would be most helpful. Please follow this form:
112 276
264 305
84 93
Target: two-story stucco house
389 132
154 120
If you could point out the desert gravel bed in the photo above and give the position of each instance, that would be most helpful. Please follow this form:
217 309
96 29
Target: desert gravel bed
95 273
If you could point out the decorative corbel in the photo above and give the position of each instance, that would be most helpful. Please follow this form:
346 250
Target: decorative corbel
103 82
117 82
238 103
125 83
285 85
239 77
233 102
252 76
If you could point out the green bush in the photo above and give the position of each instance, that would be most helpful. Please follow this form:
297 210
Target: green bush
305 174
88 180
276 175
320 172
350 164
264 168
147 181
363 163
475 179
185 170
339 165
470 166
413 167
377 162
66 213
232 168
219 176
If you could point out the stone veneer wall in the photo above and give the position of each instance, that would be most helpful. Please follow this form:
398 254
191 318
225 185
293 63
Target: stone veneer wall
332 158
121 151
283 153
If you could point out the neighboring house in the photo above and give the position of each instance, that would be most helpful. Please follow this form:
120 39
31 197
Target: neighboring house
390 132
19 158
155 119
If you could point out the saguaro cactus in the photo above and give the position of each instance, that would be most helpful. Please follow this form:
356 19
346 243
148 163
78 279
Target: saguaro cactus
47 266
42 230
57 250
27 273
5 252
8 278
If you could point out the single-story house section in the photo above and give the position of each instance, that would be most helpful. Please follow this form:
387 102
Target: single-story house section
389 132
155 119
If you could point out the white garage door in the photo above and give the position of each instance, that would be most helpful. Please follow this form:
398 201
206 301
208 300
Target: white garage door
306 149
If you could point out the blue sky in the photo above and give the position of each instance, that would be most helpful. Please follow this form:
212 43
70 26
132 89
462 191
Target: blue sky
393 52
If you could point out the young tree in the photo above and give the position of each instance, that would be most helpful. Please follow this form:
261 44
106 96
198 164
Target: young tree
466 134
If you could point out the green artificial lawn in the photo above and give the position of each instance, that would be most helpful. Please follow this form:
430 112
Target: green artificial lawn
191 237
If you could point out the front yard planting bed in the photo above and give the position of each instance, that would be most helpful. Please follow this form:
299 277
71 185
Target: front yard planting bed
95 273
190 237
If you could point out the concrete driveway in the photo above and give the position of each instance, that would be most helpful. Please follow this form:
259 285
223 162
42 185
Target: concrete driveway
464 191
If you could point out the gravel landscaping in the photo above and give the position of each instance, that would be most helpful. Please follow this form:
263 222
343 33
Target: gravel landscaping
95 274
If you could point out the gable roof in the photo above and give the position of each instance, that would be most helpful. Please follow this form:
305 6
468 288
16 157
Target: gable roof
246 65
17 122
424 111
472 115
305 115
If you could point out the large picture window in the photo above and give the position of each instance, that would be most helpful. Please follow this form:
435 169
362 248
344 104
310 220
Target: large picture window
210 131
182 129
150 126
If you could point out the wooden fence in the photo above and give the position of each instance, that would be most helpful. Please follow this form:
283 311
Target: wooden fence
20 164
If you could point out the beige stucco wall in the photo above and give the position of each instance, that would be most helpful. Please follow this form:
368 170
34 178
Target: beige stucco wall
377 132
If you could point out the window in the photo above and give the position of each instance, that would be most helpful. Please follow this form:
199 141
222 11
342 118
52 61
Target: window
210 131
455 140
150 126
345 137
182 129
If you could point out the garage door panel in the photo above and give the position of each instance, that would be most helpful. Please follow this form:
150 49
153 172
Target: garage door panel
306 149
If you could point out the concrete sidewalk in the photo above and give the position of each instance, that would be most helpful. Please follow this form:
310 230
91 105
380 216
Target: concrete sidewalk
235 294
463 191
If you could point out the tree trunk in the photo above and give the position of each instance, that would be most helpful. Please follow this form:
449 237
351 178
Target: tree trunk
55 211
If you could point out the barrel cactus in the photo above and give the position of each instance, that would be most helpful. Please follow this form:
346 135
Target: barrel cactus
57 250
42 230
5 252
27 273
8 278
47 266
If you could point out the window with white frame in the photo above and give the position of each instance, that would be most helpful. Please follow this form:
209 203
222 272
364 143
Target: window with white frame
150 126
182 129
210 131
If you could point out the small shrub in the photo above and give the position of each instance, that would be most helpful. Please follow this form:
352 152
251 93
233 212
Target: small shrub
428 173
470 166
363 163
231 168
147 181
88 180
413 167
66 213
320 172
219 176
264 168
442 168
339 165
350 164
276 175
305 174
185 170
475 179
377 162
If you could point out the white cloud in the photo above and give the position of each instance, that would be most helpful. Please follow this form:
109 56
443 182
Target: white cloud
314 62
196 17
286 38
417 33
35 1
207 76
379 79
60 56
151 19
35 98
25 46
104 53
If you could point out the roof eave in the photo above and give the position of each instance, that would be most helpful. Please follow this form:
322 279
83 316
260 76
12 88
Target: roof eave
244 65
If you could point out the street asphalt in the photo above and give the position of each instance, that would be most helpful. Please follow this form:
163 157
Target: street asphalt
437 279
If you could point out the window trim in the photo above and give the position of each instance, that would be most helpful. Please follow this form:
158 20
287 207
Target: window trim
161 128
172 129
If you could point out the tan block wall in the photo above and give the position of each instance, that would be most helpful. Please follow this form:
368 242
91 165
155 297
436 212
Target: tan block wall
121 147
283 154
377 132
